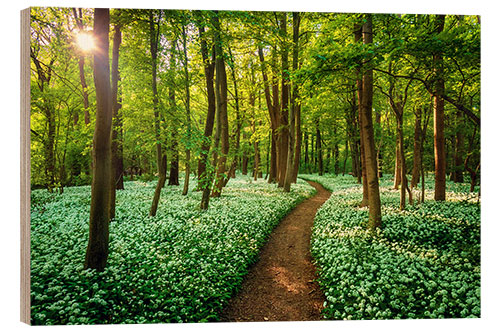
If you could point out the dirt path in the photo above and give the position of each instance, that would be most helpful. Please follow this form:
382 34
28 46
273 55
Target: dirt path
281 286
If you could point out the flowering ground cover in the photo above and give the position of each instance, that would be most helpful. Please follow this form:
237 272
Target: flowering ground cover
423 262
180 266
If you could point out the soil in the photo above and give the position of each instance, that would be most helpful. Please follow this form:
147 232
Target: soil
282 285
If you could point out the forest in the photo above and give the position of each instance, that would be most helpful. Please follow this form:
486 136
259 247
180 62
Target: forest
167 146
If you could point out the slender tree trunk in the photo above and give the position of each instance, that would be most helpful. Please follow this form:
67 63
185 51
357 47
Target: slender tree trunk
159 185
98 246
319 150
244 163
285 85
221 82
346 155
204 174
417 152
154 39
397 166
439 144
298 143
306 152
173 177
188 113
378 134
359 85
375 214
272 107
232 174
290 175
401 158
116 157
459 150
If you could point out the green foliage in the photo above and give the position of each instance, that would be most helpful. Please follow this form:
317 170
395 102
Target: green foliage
180 266
422 263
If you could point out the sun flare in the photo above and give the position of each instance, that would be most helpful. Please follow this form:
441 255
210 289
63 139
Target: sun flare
85 41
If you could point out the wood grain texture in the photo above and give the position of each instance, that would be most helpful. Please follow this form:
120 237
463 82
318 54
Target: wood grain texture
25 167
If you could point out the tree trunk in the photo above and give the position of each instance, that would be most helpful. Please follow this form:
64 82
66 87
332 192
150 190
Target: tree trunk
306 152
319 150
290 175
239 121
375 214
298 143
221 82
417 152
359 85
273 109
98 245
439 144
173 177
205 175
285 85
458 161
397 166
116 137
188 113
379 148
346 154
159 185
401 158
244 164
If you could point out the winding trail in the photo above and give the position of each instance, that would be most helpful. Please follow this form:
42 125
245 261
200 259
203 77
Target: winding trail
282 285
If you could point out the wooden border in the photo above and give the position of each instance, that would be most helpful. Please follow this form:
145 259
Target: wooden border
25 167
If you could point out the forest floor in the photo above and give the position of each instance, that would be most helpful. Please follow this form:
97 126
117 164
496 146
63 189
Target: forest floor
282 285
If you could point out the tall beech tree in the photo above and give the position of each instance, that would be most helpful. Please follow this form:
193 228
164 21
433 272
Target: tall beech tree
204 171
98 245
284 128
439 142
173 176
358 37
222 119
273 109
375 214
294 123
117 132
161 157
188 110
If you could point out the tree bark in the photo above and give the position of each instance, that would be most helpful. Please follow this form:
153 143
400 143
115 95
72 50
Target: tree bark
173 177
319 149
439 144
290 175
159 185
273 109
417 152
98 245
204 175
359 84
153 43
188 113
285 85
221 82
375 214
116 137
397 165
458 160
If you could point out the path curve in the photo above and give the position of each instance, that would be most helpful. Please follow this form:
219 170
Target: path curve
282 285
